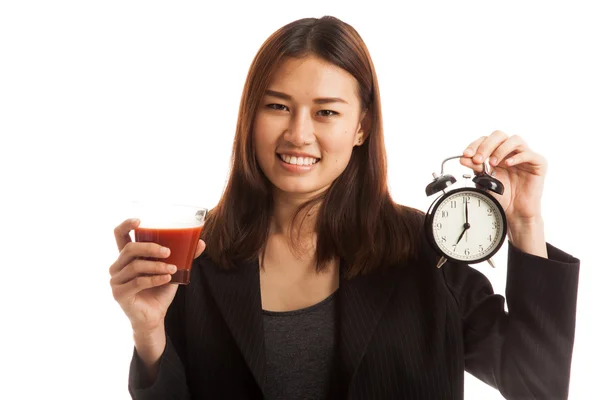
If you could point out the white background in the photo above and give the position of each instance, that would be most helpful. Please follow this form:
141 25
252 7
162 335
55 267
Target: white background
102 102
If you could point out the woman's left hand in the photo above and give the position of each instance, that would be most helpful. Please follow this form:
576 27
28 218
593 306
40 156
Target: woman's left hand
521 170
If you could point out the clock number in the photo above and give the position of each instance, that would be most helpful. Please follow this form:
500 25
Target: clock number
453 204
467 252
489 211
494 225
454 247
444 239
438 225
480 248
478 202
444 214
490 238
467 200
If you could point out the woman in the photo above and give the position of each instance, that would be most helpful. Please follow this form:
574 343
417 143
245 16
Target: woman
310 282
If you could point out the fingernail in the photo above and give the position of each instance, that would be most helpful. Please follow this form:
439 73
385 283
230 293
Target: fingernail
164 251
172 268
468 152
134 221
478 158
493 161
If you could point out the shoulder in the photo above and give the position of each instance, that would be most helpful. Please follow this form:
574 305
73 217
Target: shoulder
405 231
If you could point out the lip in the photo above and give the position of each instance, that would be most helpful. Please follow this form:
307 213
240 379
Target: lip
298 169
297 154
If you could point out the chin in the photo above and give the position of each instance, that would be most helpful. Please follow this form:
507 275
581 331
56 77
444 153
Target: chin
299 188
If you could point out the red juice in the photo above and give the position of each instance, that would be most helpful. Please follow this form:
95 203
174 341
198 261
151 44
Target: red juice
181 241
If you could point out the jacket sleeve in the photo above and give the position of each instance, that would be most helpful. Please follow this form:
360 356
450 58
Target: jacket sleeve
171 381
525 353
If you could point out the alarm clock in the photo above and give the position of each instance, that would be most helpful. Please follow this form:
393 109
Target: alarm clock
465 225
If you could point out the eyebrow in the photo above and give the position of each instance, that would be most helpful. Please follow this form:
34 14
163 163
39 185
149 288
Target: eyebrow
320 100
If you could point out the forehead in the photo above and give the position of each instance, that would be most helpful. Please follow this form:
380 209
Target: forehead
312 77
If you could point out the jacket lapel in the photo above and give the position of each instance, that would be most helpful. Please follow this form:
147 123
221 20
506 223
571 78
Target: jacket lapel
237 294
362 301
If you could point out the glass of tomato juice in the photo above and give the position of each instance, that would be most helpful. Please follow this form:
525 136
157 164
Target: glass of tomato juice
175 226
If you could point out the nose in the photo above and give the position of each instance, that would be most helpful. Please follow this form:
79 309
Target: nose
300 130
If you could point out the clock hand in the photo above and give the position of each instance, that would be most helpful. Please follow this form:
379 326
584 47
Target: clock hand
467 225
461 235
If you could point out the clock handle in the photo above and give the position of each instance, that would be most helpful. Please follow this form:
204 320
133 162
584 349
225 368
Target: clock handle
441 181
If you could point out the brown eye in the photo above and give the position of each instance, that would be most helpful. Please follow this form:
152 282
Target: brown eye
327 113
278 107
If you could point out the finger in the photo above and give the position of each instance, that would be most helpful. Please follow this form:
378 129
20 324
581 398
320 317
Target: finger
133 250
470 149
200 248
136 285
142 268
122 232
530 161
513 145
487 147
468 162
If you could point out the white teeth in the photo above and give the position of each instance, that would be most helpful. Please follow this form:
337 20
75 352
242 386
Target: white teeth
298 160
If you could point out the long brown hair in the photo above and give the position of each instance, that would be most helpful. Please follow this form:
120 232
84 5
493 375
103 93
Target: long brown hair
357 220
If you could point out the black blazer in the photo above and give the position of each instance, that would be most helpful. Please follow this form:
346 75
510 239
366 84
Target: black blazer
407 334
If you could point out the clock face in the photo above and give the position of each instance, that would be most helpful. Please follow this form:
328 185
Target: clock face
468 225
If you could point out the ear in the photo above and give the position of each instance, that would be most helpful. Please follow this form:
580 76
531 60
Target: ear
364 126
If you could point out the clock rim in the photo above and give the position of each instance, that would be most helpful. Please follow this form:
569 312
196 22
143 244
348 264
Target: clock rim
433 209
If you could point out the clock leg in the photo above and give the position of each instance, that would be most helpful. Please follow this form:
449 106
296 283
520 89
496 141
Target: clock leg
441 262
491 262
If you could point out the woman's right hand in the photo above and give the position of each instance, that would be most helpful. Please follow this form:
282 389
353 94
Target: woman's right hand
141 287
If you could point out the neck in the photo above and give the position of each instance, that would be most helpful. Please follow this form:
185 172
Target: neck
285 206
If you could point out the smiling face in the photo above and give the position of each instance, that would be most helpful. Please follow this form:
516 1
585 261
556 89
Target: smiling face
306 126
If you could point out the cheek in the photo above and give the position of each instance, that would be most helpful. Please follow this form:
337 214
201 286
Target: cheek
336 161
338 148
264 139
267 130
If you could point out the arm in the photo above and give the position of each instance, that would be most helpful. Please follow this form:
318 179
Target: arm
525 353
157 369
528 236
